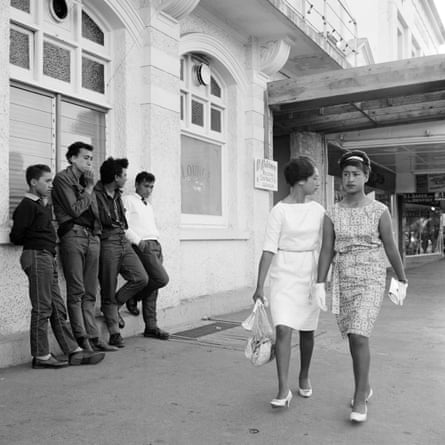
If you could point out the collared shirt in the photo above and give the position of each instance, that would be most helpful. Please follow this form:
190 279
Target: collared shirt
140 218
72 203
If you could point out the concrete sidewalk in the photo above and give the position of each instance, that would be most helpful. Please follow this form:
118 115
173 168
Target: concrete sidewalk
205 392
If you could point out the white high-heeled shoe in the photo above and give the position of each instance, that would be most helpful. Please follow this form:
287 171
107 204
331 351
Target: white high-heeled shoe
370 394
306 393
359 417
281 403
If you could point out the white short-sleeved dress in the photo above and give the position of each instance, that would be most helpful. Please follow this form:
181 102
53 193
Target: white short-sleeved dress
293 234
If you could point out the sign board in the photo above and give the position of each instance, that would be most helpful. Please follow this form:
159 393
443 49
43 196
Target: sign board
439 196
266 174
419 198
436 182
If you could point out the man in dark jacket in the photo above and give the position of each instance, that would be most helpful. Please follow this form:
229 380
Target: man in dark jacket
76 212
116 254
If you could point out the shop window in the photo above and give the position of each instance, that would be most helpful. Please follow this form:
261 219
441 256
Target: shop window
19 48
37 121
91 31
22 5
56 62
201 164
203 143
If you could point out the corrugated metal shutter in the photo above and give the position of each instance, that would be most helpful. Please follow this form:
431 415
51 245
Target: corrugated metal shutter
32 137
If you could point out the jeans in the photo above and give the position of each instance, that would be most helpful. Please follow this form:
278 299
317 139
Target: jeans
47 304
117 257
150 254
79 250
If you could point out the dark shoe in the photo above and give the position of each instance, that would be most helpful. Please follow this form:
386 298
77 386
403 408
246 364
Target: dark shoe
132 306
117 340
52 362
98 345
156 333
121 321
85 358
84 343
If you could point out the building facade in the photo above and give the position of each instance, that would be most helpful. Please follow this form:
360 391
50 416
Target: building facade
177 87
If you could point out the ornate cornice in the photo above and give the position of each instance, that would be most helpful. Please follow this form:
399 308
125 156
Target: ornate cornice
273 56
178 9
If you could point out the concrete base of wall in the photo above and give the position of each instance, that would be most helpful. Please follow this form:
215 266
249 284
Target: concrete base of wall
14 350
419 260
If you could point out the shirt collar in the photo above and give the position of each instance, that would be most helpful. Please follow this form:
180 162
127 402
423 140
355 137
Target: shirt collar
30 195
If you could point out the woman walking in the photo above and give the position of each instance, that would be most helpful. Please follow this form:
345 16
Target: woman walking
291 247
358 231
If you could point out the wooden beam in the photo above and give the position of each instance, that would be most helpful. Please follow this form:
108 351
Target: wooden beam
401 77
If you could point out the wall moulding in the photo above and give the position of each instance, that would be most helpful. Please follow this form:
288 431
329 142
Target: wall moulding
178 9
274 55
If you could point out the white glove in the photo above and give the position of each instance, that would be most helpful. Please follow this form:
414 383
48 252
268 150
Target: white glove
320 296
397 291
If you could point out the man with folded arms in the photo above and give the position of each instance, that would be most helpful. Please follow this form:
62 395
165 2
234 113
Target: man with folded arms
144 237
76 211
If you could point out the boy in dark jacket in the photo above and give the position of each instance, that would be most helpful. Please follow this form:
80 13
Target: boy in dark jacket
33 230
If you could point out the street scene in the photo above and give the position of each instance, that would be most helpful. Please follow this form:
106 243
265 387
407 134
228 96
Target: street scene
222 222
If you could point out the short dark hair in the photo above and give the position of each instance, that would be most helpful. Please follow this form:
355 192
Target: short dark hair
144 177
299 169
75 147
112 167
356 158
36 172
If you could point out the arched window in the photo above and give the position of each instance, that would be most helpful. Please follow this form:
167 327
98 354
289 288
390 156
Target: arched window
203 142
59 59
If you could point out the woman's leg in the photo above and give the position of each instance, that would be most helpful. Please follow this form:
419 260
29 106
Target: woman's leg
306 349
361 359
282 351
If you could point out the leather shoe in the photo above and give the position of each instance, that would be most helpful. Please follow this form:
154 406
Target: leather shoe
85 358
132 306
52 362
156 333
117 340
98 345
121 321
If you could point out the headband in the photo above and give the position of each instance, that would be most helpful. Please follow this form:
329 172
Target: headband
358 158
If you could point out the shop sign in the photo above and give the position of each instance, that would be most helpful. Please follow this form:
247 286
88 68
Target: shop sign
418 198
436 182
266 174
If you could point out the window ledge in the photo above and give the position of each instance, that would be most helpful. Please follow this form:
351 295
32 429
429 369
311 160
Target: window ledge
197 234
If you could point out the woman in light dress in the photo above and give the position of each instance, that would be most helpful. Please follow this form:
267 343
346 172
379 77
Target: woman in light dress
290 251
358 231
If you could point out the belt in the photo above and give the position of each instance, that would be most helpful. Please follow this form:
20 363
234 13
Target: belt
79 226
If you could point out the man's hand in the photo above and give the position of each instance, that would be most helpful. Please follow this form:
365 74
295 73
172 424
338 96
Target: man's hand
89 179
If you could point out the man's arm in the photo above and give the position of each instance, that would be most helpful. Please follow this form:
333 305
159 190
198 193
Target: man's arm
130 234
23 218
64 196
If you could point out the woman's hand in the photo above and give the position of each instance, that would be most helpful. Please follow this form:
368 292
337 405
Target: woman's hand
320 296
259 295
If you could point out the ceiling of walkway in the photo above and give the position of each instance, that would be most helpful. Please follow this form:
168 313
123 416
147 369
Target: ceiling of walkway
368 98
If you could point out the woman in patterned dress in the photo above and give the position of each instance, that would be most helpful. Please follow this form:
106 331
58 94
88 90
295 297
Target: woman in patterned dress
358 231
291 246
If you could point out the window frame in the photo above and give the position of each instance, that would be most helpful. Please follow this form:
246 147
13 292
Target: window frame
190 91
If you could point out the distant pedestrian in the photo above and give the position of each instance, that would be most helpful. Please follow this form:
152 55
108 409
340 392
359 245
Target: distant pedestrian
144 237
291 247
33 230
116 254
75 208
358 231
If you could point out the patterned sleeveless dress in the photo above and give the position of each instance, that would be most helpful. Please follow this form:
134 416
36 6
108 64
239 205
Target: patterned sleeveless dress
359 272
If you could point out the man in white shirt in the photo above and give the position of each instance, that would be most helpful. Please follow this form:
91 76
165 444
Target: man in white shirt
144 237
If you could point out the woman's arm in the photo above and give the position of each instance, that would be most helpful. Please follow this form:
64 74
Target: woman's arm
327 250
385 230
263 268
